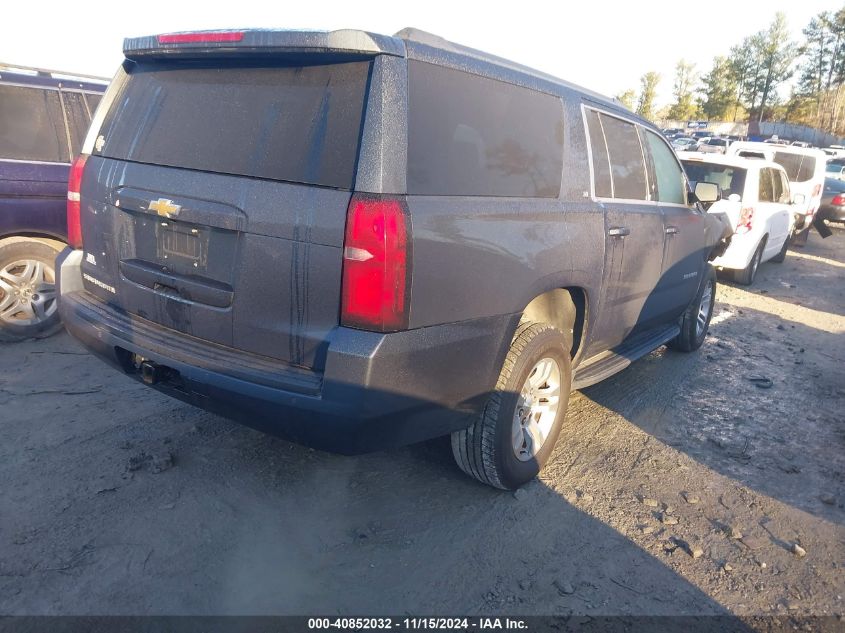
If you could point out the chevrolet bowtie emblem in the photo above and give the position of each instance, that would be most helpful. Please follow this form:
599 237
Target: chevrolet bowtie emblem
165 208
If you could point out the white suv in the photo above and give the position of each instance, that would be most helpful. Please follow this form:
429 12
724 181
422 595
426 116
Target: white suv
805 168
756 197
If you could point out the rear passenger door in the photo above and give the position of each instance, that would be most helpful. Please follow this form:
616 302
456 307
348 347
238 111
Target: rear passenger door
684 252
633 225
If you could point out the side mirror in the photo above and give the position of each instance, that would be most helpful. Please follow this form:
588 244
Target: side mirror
798 198
707 192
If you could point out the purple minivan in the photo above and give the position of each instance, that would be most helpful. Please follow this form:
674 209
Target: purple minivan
43 119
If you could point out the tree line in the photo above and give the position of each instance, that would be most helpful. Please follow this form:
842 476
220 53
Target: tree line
743 85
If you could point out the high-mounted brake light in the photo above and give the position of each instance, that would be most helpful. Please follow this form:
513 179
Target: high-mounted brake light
74 219
376 264
746 216
188 38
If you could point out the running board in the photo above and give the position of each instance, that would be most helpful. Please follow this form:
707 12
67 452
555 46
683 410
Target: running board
606 364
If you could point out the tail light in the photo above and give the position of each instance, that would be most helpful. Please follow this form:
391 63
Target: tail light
837 200
208 37
746 216
376 264
74 219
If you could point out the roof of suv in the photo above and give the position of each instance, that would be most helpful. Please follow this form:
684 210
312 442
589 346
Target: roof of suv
50 78
409 42
729 160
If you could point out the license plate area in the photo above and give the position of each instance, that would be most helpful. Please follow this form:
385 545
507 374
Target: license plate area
182 246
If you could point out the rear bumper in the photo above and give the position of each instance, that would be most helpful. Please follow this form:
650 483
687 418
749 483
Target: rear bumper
835 213
739 252
378 390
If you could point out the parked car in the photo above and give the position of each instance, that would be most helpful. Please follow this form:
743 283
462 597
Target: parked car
702 135
43 118
835 168
806 170
383 241
837 151
672 131
832 207
756 197
714 146
685 144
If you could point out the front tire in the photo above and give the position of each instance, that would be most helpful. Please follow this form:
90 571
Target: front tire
696 319
514 436
27 291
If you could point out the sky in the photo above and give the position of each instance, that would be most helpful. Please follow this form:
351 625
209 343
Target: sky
604 45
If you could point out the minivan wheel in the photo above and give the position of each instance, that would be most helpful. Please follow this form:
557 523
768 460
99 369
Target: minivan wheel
513 437
745 277
696 320
27 291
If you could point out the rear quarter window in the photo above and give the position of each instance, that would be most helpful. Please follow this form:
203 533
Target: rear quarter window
473 136
299 124
799 168
32 125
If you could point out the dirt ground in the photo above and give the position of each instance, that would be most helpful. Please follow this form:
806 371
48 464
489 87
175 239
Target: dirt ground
680 486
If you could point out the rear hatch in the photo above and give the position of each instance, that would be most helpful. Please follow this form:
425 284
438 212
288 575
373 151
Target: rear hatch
216 193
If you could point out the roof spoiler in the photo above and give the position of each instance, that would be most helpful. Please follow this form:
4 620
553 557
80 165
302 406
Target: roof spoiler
260 41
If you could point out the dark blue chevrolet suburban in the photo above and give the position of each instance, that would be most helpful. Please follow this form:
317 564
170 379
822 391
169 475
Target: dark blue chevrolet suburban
43 119
360 241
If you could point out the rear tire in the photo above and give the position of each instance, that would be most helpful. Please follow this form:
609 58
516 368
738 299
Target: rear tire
27 290
696 319
514 436
746 276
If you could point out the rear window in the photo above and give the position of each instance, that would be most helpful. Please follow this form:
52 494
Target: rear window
730 179
299 124
473 136
32 125
717 141
799 168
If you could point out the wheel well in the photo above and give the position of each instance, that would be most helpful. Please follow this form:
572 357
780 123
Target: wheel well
563 308
49 240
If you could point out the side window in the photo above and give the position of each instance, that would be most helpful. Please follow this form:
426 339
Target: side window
785 197
32 125
626 158
777 186
601 162
473 136
766 188
671 187
77 118
649 165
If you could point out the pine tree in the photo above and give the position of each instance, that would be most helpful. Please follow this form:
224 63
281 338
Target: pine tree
719 89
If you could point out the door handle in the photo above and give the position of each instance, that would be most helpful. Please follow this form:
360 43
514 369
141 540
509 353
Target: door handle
671 230
619 231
